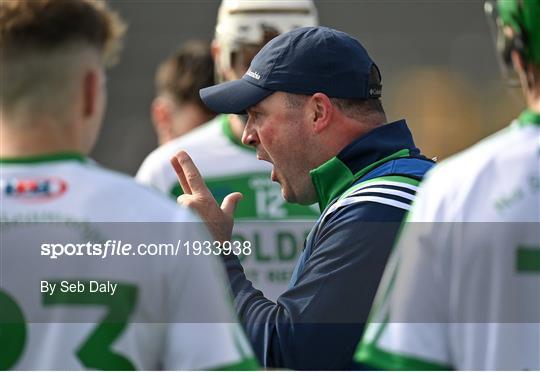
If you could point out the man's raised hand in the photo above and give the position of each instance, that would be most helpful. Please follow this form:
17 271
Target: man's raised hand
198 197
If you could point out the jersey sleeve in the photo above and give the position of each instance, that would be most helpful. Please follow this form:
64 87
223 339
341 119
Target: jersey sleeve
408 326
203 330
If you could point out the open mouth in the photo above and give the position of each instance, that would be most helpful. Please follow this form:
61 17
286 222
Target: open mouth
273 176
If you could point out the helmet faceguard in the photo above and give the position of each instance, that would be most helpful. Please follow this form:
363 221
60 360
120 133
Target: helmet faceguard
244 26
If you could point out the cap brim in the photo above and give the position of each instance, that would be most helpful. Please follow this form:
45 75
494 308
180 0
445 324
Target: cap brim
233 97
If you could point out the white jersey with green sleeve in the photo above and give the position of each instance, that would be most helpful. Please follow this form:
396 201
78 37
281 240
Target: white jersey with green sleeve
276 229
138 311
462 288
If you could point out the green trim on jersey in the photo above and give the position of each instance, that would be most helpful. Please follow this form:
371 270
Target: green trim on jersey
529 117
59 156
528 260
249 364
372 356
380 306
227 131
334 177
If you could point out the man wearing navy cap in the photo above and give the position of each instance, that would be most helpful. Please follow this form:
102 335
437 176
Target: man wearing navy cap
312 100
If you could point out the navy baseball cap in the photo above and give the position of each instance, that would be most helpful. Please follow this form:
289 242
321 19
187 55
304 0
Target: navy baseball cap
303 61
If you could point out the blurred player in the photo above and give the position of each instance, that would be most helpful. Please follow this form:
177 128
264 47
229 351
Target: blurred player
276 228
464 293
81 311
177 108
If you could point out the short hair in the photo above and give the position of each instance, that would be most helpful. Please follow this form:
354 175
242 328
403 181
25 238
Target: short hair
49 24
41 46
188 70
354 108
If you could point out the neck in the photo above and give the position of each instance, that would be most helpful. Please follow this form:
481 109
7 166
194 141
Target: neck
36 139
534 105
163 138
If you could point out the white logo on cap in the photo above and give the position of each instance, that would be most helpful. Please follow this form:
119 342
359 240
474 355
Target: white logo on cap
375 91
253 74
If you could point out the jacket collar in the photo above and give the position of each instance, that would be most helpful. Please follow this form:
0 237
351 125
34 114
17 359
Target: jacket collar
390 141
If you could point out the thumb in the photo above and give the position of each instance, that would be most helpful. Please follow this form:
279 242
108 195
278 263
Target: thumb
230 202
182 199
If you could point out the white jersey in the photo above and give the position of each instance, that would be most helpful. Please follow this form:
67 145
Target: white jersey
275 228
462 289
80 310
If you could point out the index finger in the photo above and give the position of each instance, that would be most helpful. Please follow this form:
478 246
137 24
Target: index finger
191 176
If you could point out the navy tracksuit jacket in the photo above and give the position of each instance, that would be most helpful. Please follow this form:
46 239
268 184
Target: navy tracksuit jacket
364 193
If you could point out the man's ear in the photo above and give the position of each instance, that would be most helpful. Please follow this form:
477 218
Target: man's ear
90 93
320 111
161 111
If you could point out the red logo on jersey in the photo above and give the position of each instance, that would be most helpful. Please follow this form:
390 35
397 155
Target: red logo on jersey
38 189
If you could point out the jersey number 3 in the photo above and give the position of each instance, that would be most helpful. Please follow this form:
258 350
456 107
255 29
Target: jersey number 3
95 352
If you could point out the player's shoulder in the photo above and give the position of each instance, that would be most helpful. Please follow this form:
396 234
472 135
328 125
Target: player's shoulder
444 192
471 180
133 202
199 137
495 150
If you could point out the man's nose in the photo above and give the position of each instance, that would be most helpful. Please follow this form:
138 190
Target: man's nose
249 137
